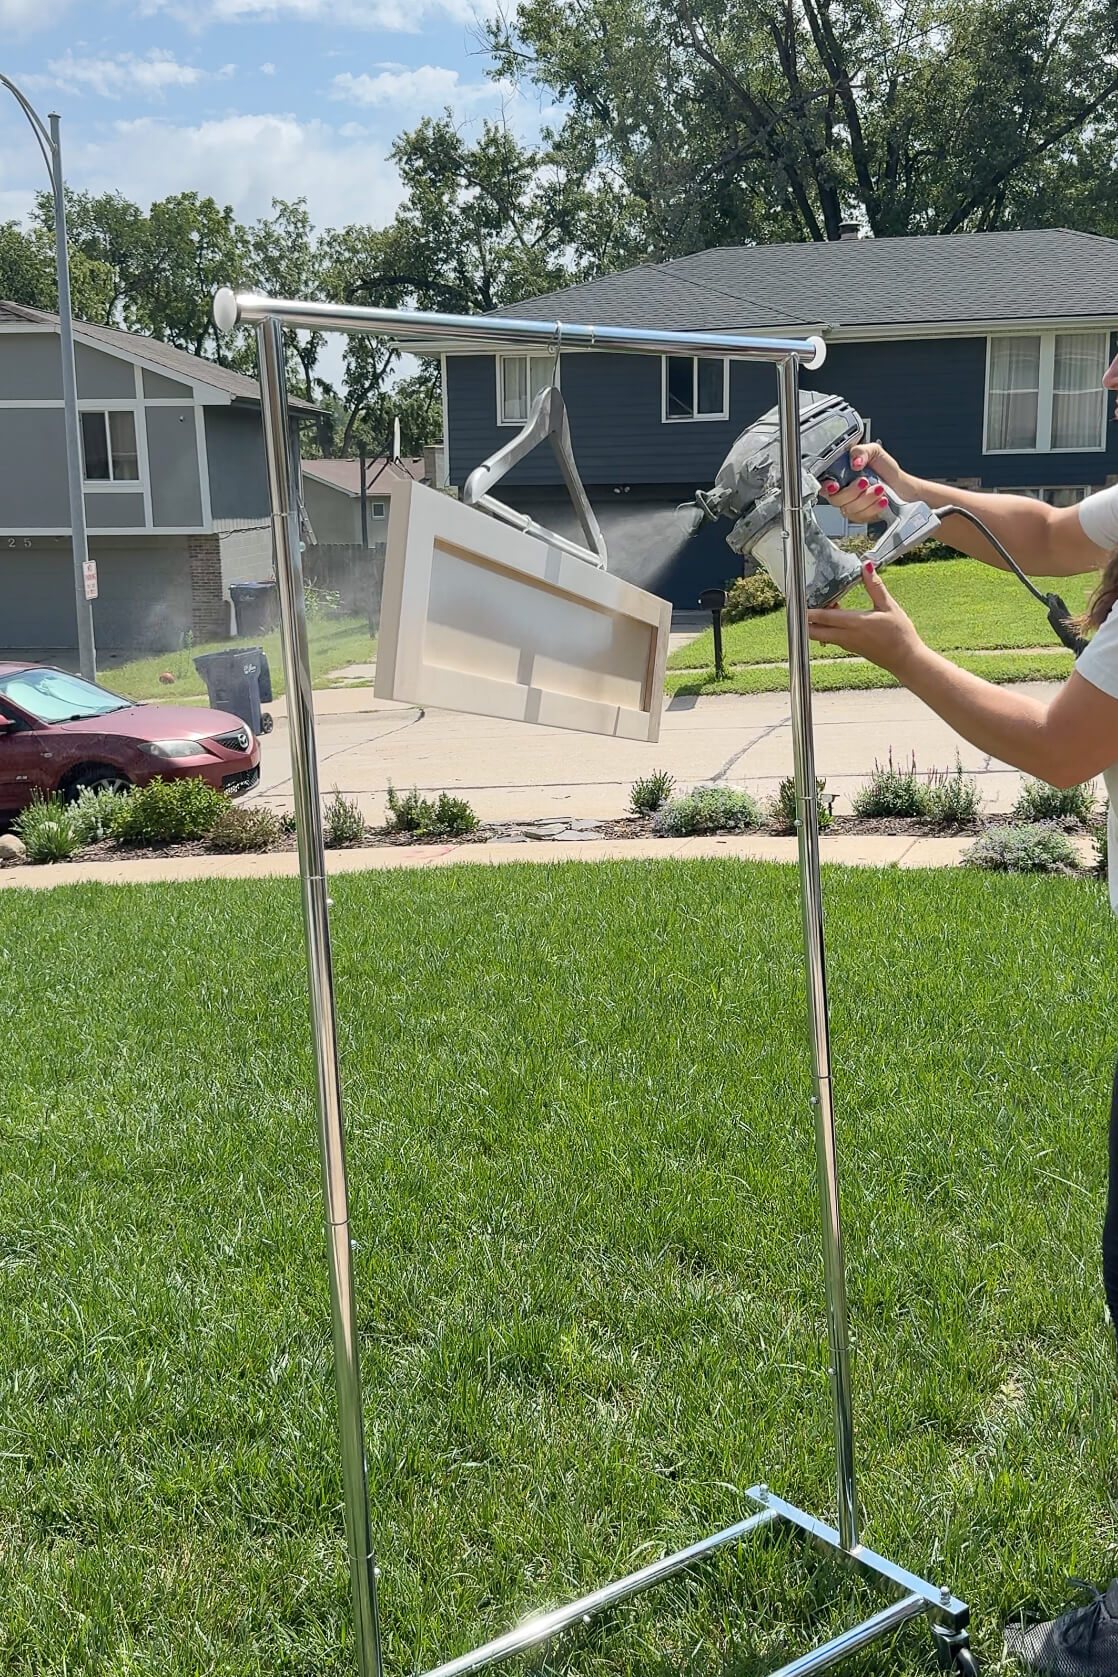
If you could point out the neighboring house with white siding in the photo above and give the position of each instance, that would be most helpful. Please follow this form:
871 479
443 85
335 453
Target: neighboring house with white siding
173 456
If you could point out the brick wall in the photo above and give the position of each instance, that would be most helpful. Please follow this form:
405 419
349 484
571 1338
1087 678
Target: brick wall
209 612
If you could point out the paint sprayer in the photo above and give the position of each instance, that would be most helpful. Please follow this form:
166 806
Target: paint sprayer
747 489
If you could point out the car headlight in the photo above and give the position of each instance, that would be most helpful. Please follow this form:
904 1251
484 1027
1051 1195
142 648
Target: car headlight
175 748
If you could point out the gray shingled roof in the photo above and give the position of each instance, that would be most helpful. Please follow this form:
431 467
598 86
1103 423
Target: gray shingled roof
165 356
850 283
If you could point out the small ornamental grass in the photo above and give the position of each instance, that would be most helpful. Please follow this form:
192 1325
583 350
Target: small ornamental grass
48 829
893 792
953 797
1040 802
342 823
1098 838
244 827
709 809
94 813
651 792
1023 849
785 812
442 817
168 812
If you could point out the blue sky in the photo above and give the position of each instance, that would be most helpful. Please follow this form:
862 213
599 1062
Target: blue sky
242 99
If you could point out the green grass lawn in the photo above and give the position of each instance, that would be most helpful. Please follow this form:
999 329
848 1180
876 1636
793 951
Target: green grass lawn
590 1290
958 606
334 642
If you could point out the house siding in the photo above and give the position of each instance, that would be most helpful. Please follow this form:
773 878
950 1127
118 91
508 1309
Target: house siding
237 466
924 398
176 491
143 603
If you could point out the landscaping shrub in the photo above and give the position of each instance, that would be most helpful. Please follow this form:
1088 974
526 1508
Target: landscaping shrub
446 817
1023 849
1041 802
1099 835
243 827
708 809
751 596
342 823
167 811
786 812
651 792
93 812
892 791
48 830
289 822
953 797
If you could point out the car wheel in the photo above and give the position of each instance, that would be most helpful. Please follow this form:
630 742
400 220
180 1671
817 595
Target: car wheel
95 777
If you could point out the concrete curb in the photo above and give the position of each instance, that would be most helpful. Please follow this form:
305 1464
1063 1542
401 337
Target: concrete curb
843 850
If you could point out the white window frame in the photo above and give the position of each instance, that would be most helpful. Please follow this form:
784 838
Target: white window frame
377 509
1045 394
528 356
117 485
694 418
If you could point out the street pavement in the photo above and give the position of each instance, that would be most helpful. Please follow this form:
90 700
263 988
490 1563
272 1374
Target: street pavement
509 771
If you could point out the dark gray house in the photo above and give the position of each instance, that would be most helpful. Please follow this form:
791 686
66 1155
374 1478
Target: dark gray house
976 359
176 494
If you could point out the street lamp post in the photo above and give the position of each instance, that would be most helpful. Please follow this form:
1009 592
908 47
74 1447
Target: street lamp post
50 145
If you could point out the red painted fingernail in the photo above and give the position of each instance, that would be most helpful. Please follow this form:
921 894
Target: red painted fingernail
857 461
863 483
832 489
869 567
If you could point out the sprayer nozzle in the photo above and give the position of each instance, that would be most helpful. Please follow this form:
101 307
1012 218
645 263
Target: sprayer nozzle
703 504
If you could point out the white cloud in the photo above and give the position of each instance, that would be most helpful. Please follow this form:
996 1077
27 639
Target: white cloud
429 88
123 75
244 161
267 69
402 16
24 17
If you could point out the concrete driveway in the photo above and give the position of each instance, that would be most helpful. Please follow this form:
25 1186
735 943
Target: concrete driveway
510 771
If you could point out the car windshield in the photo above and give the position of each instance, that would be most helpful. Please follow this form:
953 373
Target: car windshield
54 696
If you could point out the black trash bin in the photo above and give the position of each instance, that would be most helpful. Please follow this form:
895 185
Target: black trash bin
256 605
238 680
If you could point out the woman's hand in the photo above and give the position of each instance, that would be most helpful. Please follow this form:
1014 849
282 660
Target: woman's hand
862 502
886 635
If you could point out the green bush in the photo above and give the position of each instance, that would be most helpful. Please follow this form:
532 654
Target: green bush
1023 849
48 830
892 791
94 812
446 817
289 823
1040 802
785 810
953 797
708 809
1098 836
651 792
342 823
243 827
751 596
167 811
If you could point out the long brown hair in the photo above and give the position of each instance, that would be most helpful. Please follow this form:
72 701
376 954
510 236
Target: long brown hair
1098 606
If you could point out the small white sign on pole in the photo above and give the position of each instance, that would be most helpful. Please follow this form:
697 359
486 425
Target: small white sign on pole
89 574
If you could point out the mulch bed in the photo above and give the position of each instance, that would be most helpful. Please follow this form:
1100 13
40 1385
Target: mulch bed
529 832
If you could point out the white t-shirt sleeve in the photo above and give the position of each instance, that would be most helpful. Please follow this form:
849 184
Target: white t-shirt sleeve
1098 514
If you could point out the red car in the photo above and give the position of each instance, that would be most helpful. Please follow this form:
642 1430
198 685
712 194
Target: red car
59 733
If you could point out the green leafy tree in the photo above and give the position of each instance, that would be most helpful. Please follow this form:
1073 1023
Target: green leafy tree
779 119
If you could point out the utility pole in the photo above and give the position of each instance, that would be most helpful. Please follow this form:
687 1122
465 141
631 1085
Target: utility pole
50 145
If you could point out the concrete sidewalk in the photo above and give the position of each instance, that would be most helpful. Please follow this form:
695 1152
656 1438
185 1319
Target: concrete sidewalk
846 850
512 772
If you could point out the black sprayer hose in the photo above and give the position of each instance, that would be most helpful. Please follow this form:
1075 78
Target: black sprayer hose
1058 614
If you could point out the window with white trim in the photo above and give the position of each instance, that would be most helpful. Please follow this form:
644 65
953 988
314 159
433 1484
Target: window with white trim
109 452
1044 393
378 509
520 378
695 387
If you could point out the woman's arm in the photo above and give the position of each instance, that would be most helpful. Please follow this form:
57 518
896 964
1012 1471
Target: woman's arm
1066 742
1044 540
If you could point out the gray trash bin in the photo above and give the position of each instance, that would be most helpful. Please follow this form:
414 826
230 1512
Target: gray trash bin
237 680
256 605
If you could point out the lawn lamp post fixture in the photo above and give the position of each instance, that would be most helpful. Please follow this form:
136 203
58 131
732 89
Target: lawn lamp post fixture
50 145
759 1509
